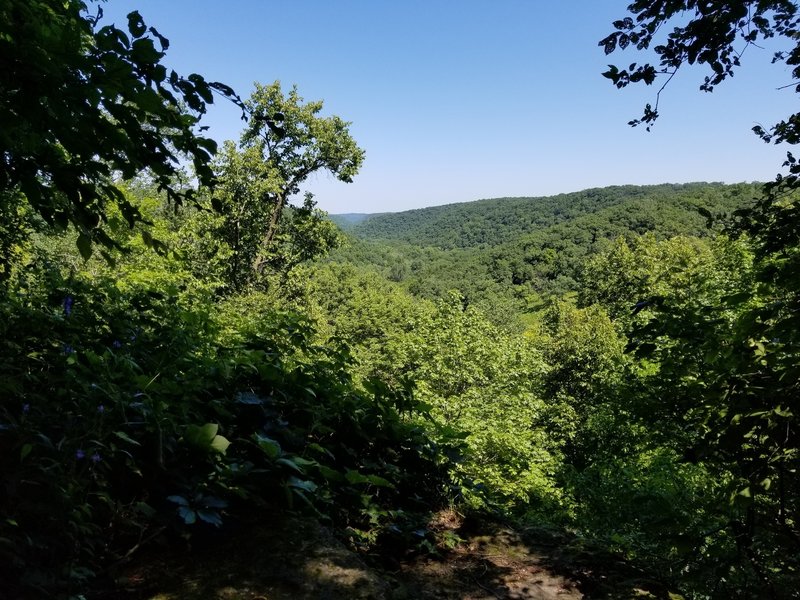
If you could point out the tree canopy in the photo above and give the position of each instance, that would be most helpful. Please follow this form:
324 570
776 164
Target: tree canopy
292 141
285 141
715 34
82 103
728 355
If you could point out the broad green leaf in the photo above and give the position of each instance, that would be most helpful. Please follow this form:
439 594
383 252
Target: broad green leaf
144 508
201 436
25 450
210 516
220 444
317 448
84 243
136 24
355 477
188 515
269 446
379 481
291 464
330 474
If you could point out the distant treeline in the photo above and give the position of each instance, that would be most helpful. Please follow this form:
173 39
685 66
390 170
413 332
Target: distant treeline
509 252
669 209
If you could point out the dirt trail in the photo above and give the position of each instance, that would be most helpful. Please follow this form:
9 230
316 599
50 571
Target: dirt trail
487 566
292 558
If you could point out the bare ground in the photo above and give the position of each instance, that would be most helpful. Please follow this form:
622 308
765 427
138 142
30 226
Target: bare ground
295 558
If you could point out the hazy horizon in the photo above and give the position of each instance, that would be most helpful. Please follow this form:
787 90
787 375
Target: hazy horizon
566 193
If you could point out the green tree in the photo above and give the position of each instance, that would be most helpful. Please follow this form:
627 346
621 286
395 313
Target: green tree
730 362
486 382
83 103
245 199
284 142
715 35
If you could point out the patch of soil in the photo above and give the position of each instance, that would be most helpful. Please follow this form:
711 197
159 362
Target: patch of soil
286 557
492 561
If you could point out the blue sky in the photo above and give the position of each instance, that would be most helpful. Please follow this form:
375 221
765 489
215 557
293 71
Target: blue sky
456 100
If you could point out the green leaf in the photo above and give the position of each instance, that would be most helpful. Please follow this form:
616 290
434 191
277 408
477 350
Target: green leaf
210 516
188 515
291 464
126 438
355 477
178 500
136 24
379 481
24 451
317 448
147 510
269 446
201 436
84 243
302 484
220 444
330 474
143 51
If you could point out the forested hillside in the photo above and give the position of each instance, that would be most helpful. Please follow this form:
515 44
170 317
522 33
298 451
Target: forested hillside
349 220
487 223
530 248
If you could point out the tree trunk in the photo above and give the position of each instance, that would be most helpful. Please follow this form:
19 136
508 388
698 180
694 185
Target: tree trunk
272 230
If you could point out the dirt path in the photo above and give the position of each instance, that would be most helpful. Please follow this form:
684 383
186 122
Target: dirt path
291 558
487 566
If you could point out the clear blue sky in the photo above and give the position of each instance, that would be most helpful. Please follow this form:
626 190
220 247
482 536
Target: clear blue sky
456 100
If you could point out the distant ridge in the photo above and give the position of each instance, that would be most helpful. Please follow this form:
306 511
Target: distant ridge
349 220
492 222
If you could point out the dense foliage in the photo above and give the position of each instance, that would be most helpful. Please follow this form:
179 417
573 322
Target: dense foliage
657 393
82 102
615 361
491 223
137 400
531 249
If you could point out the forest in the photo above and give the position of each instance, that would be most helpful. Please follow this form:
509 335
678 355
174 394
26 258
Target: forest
189 347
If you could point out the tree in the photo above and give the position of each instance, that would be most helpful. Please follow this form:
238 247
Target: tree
716 35
82 104
729 362
709 38
245 200
284 142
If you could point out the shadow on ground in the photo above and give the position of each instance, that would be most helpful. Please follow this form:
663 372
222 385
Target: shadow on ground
277 558
496 561
295 558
